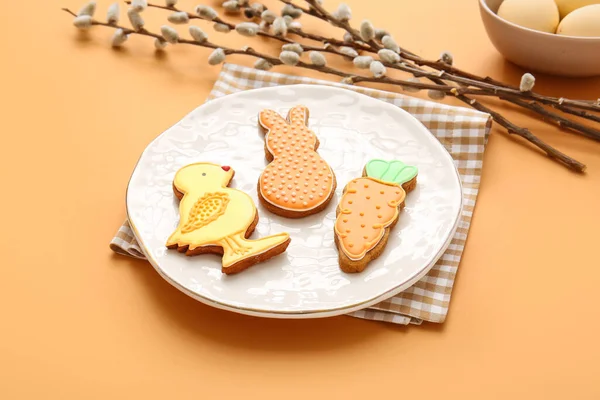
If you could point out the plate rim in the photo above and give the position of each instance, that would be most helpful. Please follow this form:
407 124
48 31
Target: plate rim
316 313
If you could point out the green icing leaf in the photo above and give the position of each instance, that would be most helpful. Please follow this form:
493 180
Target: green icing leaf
391 171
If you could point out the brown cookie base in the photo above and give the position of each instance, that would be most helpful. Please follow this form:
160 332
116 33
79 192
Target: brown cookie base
353 266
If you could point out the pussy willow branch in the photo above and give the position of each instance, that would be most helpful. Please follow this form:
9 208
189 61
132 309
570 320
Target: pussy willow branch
486 89
231 26
509 94
553 118
474 80
549 150
471 79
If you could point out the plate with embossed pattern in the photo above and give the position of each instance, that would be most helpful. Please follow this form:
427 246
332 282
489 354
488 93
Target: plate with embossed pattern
305 281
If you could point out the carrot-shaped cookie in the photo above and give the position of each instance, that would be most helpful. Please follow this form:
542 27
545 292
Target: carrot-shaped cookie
297 182
214 218
369 208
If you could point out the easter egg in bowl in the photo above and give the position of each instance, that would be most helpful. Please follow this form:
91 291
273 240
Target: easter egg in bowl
540 15
567 6
537 50
583 22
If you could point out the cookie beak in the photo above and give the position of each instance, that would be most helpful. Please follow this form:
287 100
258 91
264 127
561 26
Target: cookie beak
225 168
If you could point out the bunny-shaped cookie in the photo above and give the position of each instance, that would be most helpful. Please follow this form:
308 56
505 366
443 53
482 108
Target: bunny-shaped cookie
297 182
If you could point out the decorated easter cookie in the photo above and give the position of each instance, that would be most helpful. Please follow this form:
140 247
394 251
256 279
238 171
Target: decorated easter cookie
368 209
217 219
297 182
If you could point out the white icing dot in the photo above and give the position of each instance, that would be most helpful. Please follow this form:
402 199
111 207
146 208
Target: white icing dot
320 194
329 175
305 183
280 187
278 196
293 200
323 187
305 191
279 167
305 158
269 192
293 194
289 186
313 190
285 199
304 203
297 175
311 196
301 197
320 174
283 192
310 172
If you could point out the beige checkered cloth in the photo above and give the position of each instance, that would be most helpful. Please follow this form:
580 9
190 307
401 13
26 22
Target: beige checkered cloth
464 134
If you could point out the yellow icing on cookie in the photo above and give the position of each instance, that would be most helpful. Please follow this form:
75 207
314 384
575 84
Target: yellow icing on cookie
212 214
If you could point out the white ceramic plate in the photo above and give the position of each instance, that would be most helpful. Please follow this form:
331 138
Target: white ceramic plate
305 281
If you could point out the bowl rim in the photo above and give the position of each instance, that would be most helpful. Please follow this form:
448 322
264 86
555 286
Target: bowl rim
484 5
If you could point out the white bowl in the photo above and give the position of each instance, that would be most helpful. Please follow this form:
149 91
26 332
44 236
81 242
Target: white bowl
540 51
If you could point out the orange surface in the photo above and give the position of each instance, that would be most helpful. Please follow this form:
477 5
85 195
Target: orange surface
79 322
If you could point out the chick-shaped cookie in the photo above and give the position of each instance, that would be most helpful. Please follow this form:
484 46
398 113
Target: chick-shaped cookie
214 218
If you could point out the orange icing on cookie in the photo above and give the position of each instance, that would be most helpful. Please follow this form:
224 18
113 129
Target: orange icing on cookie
367 207
297 179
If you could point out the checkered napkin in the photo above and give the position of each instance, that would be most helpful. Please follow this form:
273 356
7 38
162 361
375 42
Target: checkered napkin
464 134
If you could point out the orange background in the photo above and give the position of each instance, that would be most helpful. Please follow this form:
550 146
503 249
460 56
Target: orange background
79 322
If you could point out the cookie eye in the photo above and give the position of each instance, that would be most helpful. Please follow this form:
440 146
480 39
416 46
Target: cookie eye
204 174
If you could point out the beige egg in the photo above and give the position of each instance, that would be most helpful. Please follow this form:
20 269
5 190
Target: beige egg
584 21
540 15
566 6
